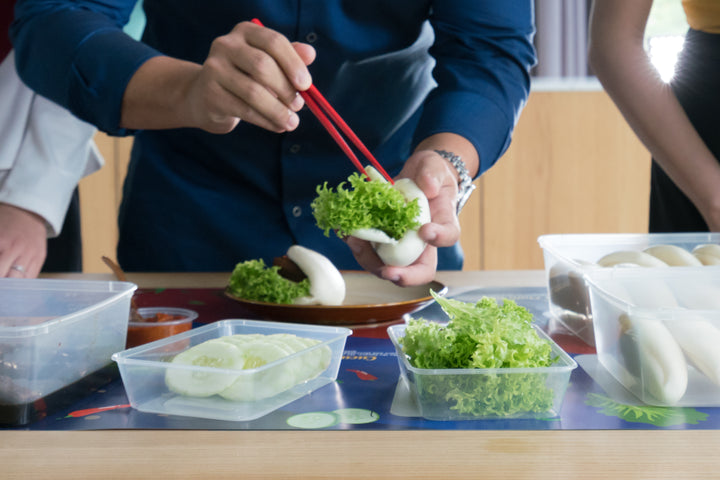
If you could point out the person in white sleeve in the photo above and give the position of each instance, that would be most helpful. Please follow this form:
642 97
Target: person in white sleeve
44 152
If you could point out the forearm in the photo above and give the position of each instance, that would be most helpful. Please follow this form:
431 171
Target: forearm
156 96
483 52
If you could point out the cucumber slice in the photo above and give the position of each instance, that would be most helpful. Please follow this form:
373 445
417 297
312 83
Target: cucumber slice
241 338
263 383
291 341
314 362
247 352
204 383
318 359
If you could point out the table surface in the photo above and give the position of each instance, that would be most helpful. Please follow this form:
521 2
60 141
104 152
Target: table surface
417 454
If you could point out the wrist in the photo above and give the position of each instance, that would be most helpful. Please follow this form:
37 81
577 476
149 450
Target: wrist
159 95
465 183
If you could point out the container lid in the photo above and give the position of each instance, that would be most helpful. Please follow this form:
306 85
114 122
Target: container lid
34 306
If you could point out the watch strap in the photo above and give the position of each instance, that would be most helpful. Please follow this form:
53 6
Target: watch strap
465 183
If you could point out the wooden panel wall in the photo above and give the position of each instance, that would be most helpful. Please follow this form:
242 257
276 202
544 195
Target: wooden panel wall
574 166
100 195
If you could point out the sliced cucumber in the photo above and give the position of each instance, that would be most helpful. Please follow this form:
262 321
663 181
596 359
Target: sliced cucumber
291 341
318 359
204 383
266 382
314 361
241 339
247 352
303 365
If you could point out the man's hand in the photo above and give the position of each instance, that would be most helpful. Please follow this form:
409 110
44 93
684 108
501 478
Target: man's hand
438 180
253 73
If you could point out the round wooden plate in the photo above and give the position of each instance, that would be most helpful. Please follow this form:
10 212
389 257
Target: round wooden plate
369 300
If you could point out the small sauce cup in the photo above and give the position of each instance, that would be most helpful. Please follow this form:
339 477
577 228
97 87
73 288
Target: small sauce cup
159 322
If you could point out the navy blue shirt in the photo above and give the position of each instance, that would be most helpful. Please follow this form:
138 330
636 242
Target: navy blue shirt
397 71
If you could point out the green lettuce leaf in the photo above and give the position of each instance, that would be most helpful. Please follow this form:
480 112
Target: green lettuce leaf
485 334
253 280
367 204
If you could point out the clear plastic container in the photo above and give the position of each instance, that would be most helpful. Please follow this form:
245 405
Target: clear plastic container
144 369
658 332
180 320
441 394
56 342
568 256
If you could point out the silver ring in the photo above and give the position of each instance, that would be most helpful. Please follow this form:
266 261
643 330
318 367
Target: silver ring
19 268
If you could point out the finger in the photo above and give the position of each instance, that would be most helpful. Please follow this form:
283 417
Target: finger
32 270
263 69
306 52
226 91
365 255
422 271
253 74
6 260
439 184
441 232
16 270
251 102
284 56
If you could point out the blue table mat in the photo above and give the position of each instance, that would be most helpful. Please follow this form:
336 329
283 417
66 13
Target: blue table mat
370 395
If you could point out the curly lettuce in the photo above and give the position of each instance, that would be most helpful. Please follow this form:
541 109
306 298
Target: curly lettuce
367 204
481 335
253 280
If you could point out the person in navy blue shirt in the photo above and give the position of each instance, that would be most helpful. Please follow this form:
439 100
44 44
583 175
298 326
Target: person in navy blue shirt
226 160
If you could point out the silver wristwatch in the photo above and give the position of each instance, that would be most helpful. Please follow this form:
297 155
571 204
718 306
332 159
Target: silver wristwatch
465 186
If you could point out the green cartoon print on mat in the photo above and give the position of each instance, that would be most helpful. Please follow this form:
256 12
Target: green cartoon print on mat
658 416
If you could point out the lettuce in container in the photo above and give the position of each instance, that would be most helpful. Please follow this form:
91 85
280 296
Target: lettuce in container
484 335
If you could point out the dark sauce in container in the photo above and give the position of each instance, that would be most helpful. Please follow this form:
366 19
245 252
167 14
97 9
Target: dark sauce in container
16 415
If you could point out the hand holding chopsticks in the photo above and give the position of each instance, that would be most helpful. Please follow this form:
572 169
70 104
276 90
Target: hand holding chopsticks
319 106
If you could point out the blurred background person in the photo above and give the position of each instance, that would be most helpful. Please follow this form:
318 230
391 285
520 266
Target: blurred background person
677 122
44 152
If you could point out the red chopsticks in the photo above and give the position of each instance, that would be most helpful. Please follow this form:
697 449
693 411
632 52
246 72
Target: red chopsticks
318 105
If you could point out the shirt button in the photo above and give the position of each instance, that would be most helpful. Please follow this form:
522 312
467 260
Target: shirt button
296 211
294 148
311 37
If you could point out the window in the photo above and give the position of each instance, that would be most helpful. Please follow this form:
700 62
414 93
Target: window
664 35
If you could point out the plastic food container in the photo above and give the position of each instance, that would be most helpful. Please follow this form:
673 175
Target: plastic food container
156 327
56 342
144 370
568 256
439 393
657 331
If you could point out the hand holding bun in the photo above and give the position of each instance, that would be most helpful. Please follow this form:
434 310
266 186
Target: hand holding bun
403 252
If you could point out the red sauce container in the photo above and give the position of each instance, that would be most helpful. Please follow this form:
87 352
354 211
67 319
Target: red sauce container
158 323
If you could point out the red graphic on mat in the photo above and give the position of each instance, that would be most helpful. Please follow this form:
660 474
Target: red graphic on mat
91 411
363 375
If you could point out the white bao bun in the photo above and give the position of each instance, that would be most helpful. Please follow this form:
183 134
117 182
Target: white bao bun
327 286
630 257
403 252
708 254
662 363
674 256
